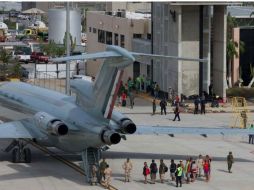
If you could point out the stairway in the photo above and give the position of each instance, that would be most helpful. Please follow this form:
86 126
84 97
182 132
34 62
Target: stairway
90 156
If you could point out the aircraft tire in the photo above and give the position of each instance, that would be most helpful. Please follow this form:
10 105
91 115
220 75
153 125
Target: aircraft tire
28 156
15 155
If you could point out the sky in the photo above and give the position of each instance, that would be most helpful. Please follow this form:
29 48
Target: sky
10 5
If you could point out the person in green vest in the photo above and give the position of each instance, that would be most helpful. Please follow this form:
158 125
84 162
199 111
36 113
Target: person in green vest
179 172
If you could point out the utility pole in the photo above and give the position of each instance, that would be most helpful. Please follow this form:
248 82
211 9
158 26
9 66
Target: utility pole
67 84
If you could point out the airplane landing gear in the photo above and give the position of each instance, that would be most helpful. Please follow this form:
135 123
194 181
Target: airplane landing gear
19 152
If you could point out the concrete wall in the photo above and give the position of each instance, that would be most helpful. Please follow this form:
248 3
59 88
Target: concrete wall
190 48
219 50
178 38
166 40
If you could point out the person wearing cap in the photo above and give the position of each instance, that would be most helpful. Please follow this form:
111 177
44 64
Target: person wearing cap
127 166
230 161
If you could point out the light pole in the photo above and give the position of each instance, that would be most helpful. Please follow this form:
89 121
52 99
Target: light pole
67 84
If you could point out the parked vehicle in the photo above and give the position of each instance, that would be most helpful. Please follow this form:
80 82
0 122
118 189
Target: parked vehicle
39 57
22 54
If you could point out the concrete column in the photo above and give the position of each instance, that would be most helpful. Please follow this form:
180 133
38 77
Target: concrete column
236 61
219 50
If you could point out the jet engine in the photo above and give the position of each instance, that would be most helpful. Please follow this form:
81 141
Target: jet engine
122 123
110 137
48 123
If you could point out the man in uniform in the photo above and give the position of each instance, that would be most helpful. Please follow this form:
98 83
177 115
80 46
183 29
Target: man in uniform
230 161
108 174
103 166
94 175
127 166
162 170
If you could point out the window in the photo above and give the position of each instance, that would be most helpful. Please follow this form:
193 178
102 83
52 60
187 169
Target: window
122 41
109 38
94 30
149 36
116 39
137 35
101 36
90 29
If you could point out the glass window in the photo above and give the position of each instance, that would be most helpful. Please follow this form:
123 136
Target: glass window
90 29
94 30
122 41
101 36
116 39
137 35
109 38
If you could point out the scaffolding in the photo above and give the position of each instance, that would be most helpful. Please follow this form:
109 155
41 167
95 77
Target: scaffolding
240 112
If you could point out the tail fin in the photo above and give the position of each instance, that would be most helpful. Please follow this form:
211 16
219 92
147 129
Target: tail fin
101 95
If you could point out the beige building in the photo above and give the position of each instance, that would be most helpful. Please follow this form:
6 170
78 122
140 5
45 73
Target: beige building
126 29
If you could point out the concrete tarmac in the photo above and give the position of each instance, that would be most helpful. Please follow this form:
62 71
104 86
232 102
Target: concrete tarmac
46 173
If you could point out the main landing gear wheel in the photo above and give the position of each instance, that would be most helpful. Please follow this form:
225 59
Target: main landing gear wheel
19 152
27 155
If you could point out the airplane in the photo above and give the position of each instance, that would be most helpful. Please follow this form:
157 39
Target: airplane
83 124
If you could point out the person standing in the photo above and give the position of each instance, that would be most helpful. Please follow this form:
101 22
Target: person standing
154 170
163 105
156 91
230 161
131 96
127 166
154 106
178 175
194 171
177 112
94 175
172 170
200 162
146 172
108 174
102 168
202 105
162 170
196 103
123 99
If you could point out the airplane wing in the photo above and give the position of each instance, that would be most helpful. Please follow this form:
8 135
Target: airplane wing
98 55
192 130
18 129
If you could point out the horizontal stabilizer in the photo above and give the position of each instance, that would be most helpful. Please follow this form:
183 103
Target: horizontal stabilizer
111 53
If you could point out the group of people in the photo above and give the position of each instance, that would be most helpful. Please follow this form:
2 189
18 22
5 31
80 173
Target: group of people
179 172
163 106
199 101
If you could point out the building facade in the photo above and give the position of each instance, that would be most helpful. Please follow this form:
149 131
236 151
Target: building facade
126 29
186 30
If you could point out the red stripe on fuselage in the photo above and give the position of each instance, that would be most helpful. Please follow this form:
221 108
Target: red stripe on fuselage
115 95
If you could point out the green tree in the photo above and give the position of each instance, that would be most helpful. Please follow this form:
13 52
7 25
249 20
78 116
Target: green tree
232 47
52 49
73 42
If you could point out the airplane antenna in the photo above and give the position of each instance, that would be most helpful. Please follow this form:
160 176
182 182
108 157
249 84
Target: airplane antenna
67 84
